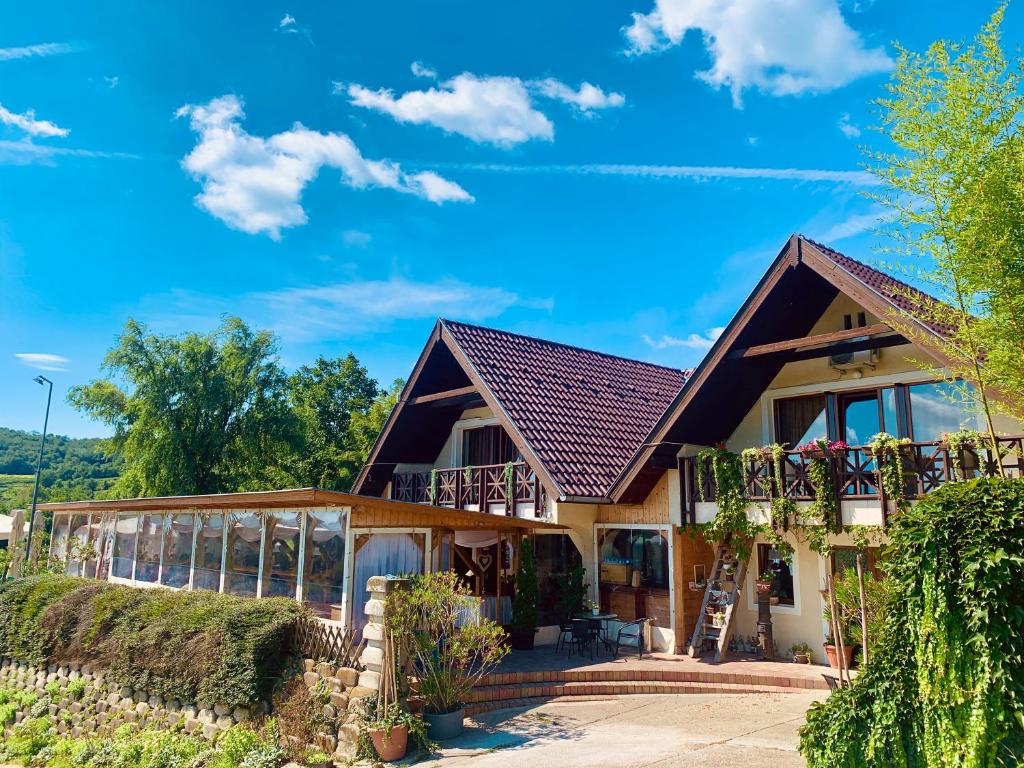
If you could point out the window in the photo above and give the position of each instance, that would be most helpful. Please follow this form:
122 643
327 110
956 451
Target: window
324 562
281 559
77 542
625 552
844 558
860 417
59 539
936 408
554 556
241 573
147 568
209 551
177 550
125 535
487 445
781 567
799 420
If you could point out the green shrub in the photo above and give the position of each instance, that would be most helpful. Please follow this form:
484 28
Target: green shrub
193 646
945 686
76 688
524 602
52 689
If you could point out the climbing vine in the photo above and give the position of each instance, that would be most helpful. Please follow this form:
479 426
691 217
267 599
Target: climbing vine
433 486
731 521
823 511
510 481
959 441
888 453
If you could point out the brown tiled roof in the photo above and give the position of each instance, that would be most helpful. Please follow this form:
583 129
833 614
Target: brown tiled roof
583 413
903 296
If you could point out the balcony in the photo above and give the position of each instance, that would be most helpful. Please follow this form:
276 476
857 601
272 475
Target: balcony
465 487
926 467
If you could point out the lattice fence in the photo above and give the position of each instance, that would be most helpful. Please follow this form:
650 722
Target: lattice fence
330 643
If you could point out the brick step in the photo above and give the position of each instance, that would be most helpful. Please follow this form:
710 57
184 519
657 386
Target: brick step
633 675
515 691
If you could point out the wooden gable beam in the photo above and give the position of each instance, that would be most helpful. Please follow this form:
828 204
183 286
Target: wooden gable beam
812 341
449 394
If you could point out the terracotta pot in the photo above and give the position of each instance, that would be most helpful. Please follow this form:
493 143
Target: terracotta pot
832 652
801 658
522 641
763 586
391 746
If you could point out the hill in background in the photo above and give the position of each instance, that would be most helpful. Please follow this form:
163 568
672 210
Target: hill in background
73 468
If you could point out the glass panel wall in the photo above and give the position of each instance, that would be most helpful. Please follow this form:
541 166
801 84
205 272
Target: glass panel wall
324 563
90 555
147 568
209 551
281 559
177 550
59 538
937 408
241 572
76 543
800 420
124 546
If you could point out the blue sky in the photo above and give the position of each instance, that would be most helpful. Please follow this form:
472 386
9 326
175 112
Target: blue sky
614 175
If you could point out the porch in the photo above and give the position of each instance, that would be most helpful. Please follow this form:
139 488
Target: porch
512 488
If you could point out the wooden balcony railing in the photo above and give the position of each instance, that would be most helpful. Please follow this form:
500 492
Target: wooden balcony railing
926 467
465 487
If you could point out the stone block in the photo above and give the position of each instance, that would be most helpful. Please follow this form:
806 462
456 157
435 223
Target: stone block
310 679
348 734
324 669
369 679
156 701
339 701
173 718
372 657
126 692
191 725
207 717
241 714
308 665
210 731
190 711
142 708
173 705
140 696
225 721
348 676
221 709
373 632
75 706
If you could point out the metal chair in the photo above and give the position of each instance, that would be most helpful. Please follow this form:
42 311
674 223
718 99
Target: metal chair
582 637
631 635
564 635
834 683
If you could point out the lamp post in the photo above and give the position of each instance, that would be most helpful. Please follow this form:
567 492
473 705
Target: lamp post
40 380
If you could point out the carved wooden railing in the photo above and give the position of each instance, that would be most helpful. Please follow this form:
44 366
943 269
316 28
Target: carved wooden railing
926 467
465 487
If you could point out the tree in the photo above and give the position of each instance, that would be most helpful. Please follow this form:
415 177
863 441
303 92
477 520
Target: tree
524 602
365 427
197 413
325 398
955 187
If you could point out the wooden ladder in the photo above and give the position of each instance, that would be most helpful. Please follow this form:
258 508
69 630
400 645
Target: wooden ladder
723 594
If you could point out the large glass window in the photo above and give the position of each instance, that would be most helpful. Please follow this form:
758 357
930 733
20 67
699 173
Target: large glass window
488 445
936 408
555 557
91 554
124 546
177 550
147 568
281 560
209 551
800 420
860 417
59 538
780 566
77 542
324 562
632 557
241 574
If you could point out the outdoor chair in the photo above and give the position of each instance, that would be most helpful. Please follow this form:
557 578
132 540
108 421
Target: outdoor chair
631 635
582 637
564 635
834 683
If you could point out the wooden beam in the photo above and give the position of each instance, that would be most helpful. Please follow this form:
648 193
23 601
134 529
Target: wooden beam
846 347
448 394
812 341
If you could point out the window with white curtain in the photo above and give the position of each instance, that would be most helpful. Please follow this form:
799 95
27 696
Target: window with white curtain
124 545
324 562
177 550
383 554
241 572
209 551
147 567
281 558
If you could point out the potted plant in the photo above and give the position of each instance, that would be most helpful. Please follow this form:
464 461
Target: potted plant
718 619
524 603
572 595
595 608
764 582
801 653
317 759
389 731
448 657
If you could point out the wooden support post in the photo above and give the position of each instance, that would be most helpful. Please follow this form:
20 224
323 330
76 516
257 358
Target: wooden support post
863 606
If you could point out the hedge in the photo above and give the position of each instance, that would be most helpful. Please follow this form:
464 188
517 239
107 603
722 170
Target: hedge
945 686
193 646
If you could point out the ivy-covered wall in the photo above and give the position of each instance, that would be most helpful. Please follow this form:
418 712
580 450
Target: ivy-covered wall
945 684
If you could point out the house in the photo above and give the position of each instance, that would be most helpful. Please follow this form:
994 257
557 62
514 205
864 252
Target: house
520 427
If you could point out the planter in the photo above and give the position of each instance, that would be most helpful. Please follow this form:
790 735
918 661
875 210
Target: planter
801 658
814 453
773 600
447 725
522 640
594 611
391 746
832 652
325 763
763 586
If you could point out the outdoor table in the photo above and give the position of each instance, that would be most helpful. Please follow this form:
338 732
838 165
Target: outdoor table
603 618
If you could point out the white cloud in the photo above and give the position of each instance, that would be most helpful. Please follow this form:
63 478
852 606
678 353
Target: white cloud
287 22
24 152
27 122
586 98
497 110
693 341
255 184
111 81
42 49
289 26
43 361
849 130
419 69
854 225
355 238
698 172
782 47
753 140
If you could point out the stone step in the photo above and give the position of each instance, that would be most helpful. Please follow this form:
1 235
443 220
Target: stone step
505 695
634 675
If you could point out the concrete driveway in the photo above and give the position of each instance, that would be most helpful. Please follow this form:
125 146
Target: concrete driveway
705 730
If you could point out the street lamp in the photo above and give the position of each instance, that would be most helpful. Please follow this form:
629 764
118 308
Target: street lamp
40 380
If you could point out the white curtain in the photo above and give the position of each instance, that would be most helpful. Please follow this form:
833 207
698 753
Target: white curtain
384 554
